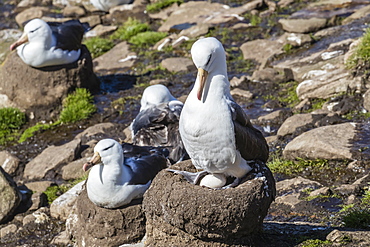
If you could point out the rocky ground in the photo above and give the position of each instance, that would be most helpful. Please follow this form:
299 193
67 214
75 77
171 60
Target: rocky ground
287 64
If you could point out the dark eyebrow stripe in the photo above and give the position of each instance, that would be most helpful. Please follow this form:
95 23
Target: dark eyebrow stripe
209 59
108 147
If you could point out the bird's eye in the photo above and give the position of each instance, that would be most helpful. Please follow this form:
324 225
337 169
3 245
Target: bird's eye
209 59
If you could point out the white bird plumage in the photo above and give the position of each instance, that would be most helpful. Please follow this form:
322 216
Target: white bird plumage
216 132
42 45
105 5
115 180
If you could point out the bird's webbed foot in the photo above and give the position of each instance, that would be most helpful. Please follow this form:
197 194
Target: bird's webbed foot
191 177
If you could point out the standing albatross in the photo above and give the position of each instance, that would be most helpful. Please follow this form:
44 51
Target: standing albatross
157 123
46 44
120 174
216 132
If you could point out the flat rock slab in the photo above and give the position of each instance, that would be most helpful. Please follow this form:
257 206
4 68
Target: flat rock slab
340 141
303 25
117 60
51 159
178 64
95 226
180 213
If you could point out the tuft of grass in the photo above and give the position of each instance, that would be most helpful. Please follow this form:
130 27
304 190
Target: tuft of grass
77 106
129 29
161 4
98 46
316 243
146 39
32 130
53 192
11 120
357 219
288 95
361 53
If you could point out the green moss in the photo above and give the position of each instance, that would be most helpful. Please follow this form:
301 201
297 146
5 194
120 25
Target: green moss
362 52
366 199
290 167
122 101
11 120
315 243
161 4
53 192
288 48
32 130
147 38
77 106
129 29
288 95
98 46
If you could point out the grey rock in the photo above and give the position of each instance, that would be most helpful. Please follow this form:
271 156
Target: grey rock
9 229
247 95
74 170
116 227
358 238
267 49
101 30
73 11
9 162
275 75
358 14
366 97
275 117
61 207
40 91
47 162
303 25
330 142
10 196
324 191
298 122
117 60
38 200
178 212
178 64
325 85
30 13
39 186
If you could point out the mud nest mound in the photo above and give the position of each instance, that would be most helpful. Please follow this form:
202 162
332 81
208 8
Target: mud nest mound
180 213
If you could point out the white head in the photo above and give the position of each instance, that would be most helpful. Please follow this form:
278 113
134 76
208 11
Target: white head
36 30
105 152
208 56
154 95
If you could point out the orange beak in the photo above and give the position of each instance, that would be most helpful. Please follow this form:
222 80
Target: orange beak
202 77
96 159
23 39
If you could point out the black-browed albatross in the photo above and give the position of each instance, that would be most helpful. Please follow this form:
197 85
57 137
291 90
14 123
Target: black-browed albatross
157 123
215 130
46 44
121 173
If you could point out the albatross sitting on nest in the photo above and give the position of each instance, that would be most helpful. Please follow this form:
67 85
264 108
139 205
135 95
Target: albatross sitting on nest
46 44
157 123
216 132
115 180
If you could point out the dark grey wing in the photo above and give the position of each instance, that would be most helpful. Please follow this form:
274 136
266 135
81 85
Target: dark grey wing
159 126
68 34
144 162
249 141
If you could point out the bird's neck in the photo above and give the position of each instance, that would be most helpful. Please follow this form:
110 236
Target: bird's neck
114 172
